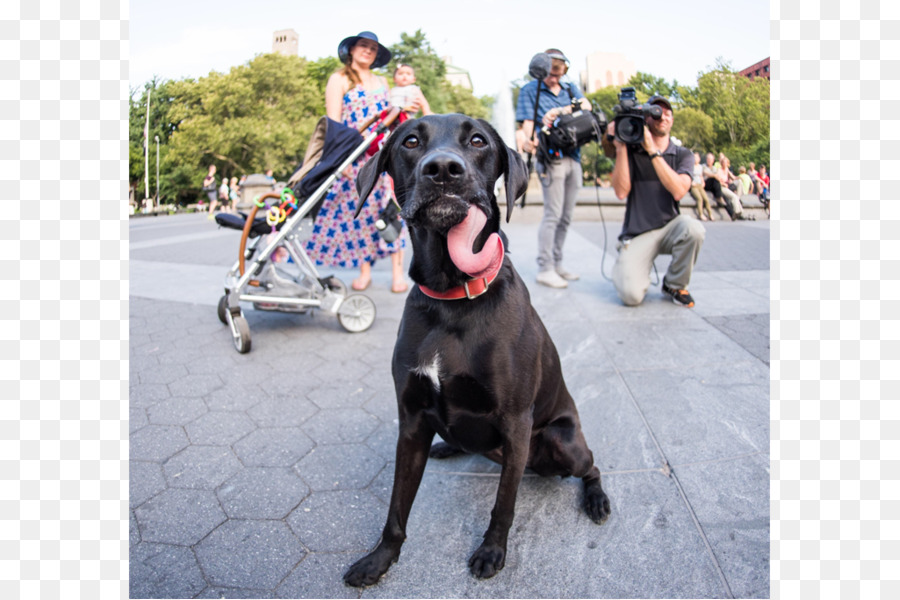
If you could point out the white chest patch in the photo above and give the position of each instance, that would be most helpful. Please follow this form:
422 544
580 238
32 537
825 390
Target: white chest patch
432 371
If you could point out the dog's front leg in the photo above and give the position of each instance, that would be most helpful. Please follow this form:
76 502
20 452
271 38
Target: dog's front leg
491 555
413 444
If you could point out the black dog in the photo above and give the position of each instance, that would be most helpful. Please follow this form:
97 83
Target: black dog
473 361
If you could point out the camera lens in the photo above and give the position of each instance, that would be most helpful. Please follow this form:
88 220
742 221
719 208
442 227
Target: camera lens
630 129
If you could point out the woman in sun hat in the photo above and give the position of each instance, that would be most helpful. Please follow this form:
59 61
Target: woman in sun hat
352 95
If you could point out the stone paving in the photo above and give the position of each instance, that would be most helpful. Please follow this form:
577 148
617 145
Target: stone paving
265 475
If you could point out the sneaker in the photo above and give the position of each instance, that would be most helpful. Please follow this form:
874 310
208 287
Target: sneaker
568 276
551 279
681 297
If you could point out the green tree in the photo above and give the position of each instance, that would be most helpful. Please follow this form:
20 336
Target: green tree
160 125
258 116
739 107
649 85
694 128
443 97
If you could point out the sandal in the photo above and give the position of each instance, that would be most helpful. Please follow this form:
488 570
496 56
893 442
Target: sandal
360 288
399 290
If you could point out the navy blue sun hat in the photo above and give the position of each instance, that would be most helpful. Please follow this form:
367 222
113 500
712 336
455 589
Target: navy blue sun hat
382 58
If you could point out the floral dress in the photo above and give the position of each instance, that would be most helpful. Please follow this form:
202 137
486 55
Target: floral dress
337 238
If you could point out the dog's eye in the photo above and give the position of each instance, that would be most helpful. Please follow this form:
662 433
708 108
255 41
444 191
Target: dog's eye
411 142
478 141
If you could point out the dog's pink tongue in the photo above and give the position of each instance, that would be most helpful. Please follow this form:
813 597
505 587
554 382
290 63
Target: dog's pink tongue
459 242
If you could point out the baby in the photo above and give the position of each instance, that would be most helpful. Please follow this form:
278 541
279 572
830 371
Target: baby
406 94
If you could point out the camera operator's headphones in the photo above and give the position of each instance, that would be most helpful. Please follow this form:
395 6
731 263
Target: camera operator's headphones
558 55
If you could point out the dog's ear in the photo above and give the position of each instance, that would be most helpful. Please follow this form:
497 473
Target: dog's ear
512 167
369 173
516 179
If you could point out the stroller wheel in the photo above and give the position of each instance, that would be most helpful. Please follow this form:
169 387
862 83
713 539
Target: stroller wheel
240 332
357 313
222 309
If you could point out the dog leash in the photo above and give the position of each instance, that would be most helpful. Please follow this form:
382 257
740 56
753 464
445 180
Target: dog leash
470 289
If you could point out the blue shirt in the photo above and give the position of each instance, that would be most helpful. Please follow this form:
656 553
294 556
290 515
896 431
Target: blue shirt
548 100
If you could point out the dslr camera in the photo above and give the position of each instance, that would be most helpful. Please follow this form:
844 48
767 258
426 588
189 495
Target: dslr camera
630 116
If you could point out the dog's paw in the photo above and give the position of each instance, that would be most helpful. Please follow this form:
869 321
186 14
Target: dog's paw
369 569
487 561
444 450
596 503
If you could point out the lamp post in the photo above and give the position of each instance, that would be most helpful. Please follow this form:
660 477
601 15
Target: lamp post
156 137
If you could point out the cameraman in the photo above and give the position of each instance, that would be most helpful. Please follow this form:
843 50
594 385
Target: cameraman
654 177
561 177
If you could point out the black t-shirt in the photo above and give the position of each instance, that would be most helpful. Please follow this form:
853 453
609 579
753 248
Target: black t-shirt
650 205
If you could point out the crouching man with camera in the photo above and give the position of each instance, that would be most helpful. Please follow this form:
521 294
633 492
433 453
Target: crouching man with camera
560 176
653 174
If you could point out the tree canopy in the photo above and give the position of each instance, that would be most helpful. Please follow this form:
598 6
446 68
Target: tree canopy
726 112
258 116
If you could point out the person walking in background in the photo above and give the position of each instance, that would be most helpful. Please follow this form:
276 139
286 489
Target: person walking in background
234 193
406 95
351 95
222 197
561 177
698 192
209 188
652 178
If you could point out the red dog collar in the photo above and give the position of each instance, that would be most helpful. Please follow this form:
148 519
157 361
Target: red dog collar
470 289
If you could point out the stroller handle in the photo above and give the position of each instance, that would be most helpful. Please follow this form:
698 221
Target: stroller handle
245 234
387 120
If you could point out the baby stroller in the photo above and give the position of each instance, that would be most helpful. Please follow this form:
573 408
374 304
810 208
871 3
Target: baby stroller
293 284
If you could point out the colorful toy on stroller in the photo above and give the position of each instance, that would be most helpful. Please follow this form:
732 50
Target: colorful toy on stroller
293 284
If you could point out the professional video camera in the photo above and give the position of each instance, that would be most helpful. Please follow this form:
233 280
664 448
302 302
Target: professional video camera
572 130
630 116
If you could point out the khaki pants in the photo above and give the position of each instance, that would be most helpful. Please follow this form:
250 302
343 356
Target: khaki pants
561 181
681 237
702 199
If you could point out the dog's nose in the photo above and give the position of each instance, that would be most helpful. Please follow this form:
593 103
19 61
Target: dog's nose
443 167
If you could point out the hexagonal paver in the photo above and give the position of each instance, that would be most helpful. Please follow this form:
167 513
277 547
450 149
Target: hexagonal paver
179 516
252 373
145 480
340 467
147 394
201 467
249 554
343 393
384 440
157 442
176 411
235 397
262 493
163 571
342 521
340 426
315 577
137 418
219 428
273 447
163 374
134 532
195 385
219 592
283 411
